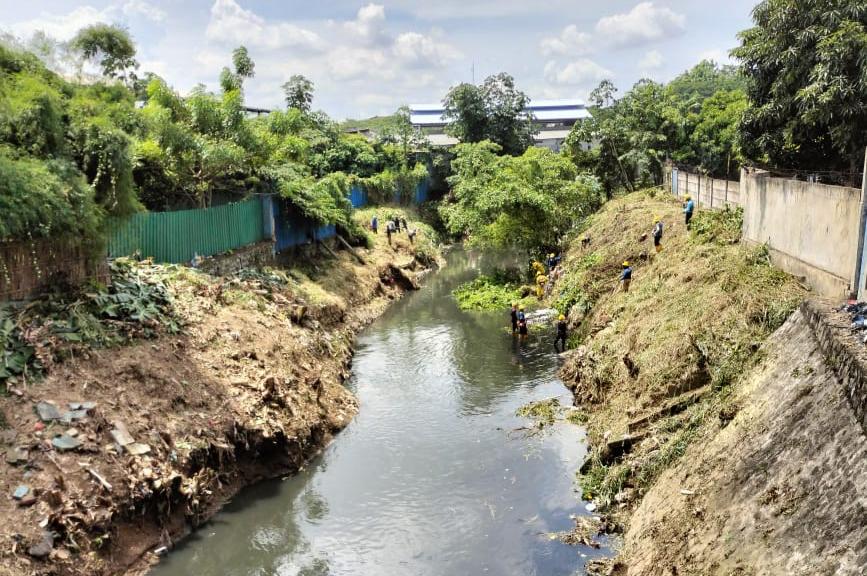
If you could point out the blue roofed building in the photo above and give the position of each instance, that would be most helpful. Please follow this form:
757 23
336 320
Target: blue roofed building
552 118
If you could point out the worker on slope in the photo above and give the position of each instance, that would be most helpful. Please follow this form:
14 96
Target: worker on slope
374 224
541 280
551 262
625 277
688 209
561 334
389 230
514 314
657 233
522 323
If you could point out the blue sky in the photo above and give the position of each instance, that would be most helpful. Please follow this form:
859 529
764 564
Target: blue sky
369 58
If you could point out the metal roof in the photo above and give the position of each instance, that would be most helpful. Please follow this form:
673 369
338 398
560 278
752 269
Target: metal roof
542 110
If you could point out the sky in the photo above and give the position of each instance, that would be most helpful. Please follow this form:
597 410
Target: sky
370 58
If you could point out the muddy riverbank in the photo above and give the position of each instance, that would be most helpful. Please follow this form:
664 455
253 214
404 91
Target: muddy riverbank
172 428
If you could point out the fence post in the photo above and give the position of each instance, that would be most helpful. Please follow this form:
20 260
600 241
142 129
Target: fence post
861 264
711 191
727 191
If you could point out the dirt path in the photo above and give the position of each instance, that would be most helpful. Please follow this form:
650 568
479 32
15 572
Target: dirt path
171 428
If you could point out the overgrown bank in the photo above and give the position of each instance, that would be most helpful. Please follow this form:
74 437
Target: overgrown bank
657 367
117 452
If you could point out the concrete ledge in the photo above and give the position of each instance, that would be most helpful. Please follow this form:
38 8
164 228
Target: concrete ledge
845 354
821 281
252 256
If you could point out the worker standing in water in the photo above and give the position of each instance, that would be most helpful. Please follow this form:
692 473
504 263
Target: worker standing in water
514 314
522 323
657 233
561 334
688 209
625 278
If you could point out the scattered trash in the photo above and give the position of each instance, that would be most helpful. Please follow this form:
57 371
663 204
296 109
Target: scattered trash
161 551
121 435
65 442
590 507
48 412
102 481
137 449
687 492
20 492
87 406
73 415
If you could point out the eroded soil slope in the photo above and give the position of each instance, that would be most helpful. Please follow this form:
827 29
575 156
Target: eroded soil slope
170 428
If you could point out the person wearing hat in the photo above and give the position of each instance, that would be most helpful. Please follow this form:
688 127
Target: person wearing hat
561 334
657 233
688 209
625 277
522 322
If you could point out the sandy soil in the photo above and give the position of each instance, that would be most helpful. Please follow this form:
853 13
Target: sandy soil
252 388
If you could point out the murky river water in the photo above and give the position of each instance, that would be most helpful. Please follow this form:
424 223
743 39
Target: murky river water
431 478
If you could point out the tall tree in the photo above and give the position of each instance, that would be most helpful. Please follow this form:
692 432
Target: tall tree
108 45
299 93
807 83
494 111
244 65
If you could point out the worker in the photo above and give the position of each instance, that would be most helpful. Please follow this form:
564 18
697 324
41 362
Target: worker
412 233
657 233
561 334
625 277
688 209
537 267
541 280
389 230
374 224
403 223
551 262
514 315
522 322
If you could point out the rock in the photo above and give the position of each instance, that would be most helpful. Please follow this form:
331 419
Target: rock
65 442
72 432
8 437
137 449
28 500
16 456
21 491
590 506
120 434
43 548
47 412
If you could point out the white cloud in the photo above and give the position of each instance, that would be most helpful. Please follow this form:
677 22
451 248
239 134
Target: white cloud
369 25
144 9
420 51
651 61
577 73
644 24
62 27
232 24
570 42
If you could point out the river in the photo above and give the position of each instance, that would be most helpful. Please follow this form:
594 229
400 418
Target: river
433 476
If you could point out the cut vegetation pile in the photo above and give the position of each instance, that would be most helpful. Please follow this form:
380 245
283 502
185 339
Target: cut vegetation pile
656 365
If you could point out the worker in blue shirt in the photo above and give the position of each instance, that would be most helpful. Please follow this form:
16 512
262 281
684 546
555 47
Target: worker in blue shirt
688 209
625 277
374 224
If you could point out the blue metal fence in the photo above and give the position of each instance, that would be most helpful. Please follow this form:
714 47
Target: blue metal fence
291 228
358 196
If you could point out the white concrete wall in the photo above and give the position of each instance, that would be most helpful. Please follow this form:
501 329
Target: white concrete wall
811 229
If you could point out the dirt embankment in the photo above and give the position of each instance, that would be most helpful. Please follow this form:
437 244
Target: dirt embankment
119 452
666 374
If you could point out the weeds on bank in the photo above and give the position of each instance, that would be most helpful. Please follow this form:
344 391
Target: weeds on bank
544 412
34 335
496 291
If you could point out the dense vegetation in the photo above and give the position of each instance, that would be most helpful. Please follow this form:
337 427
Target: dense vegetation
526 201
72 154
797 101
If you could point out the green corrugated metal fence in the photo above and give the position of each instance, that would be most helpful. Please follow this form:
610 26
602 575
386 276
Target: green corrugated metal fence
180 236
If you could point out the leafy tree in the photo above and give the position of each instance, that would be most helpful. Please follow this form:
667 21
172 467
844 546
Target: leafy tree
109 45
526 201
494 111
807 83
703 81
244 65
299 93
714 139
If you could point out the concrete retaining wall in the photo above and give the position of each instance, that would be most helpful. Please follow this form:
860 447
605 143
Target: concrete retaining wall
251 256
843 353
811 229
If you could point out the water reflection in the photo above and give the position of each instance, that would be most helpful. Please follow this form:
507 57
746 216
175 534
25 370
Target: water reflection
429 478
